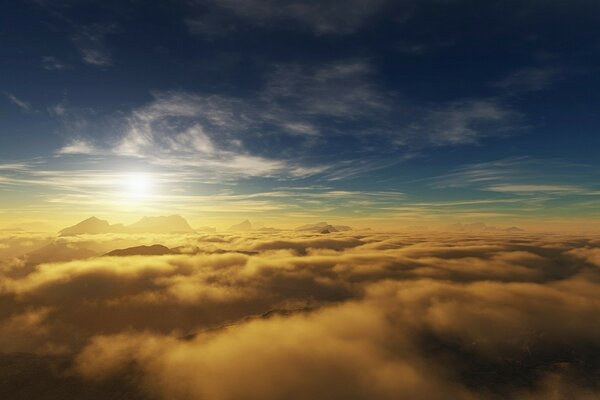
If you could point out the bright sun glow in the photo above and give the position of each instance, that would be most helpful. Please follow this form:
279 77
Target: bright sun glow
137 186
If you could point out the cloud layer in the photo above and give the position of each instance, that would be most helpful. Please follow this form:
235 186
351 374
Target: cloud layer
347 315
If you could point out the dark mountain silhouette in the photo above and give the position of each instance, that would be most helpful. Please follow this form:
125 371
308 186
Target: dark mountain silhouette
154 250
95 226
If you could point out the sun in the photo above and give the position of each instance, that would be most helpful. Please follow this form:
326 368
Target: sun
137 186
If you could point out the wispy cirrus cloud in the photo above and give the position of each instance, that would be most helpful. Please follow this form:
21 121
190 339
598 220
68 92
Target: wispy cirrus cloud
50 63
328 17
22 104
300 110
530 79
91 190
520 176
90 41
78 146
341 90
180 129
222 132
465 122
533 188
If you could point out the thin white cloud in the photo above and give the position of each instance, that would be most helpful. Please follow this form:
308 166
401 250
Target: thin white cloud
53 64
78 146
90 41
466 122
421 48
184 130
481 173
22 104
533 188
530 79
326 17
299 108
520 176
343 90
17 166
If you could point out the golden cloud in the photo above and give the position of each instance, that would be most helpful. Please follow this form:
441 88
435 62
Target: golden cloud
347 316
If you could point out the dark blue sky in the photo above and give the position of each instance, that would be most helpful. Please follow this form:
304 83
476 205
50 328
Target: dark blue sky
379 110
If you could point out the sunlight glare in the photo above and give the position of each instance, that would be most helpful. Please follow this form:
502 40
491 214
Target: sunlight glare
137 186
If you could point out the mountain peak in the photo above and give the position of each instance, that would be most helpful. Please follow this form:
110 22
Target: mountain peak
242 226
162 224
91 225
153 250
321 227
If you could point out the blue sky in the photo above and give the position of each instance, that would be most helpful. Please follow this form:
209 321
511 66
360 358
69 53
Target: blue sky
379 112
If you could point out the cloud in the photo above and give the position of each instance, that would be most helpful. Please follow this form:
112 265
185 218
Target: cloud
340 90
351 315
466 122
220 133
300 110
101 191
53 64
333 354
539 179
530 79
329 17
23 105
78 146
421 48
18 333
90 41
508 188
286 128
590 255
187 130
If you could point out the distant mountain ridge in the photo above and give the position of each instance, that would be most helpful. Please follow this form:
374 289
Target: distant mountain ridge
323 227
162 224
480 227
246 226
242 226
173 223
153 250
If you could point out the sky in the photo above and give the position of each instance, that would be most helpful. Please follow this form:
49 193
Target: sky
373 113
